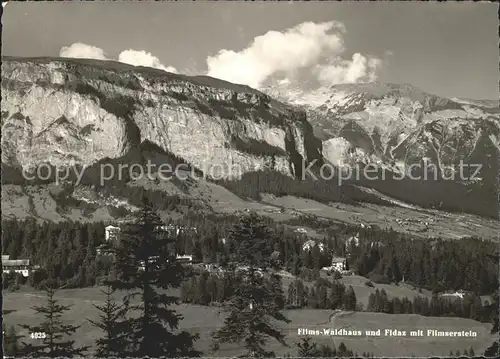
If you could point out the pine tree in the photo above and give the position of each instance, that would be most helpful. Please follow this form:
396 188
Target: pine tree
342 349
326 351
322 294
312 299
11 342
251 306
292 298
306 349
372 303
494 349
112 320
211 289
52 330
253 240
350 299
295 270
336 296
145 264
276 287
471 352
392 270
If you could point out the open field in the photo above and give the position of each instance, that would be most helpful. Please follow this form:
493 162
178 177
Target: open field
439 223
204 320
363 292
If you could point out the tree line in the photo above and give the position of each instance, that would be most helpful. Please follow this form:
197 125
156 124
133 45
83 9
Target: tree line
208 288
470 306
435 264
384 256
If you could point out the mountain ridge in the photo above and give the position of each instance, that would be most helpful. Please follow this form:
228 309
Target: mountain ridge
137 103
385 113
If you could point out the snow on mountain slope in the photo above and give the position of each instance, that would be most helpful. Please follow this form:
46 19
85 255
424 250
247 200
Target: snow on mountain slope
391 123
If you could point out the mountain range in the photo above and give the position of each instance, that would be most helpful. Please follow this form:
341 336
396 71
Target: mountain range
394 124
73 112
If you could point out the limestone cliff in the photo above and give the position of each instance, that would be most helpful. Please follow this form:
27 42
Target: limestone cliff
67 111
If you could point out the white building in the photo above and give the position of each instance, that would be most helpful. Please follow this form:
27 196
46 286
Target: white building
458 294
183 259
339 264
354 240
258 271
310 244
21 266
111 232
104 250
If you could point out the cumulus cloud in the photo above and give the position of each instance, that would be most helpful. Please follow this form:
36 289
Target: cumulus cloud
306 56
312 47
131 57
341 71
82 51
143 58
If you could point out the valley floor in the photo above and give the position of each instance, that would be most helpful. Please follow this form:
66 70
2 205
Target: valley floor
30 201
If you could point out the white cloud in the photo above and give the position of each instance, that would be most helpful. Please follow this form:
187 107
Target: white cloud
83 51
307 55
143 58
359 68
315 47
275 52
131 57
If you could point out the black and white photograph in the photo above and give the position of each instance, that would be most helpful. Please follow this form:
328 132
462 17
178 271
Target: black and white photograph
233 179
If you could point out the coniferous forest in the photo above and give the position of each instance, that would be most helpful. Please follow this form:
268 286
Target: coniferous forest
384 256
237 260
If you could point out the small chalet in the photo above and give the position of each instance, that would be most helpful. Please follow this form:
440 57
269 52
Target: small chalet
21 266
339 264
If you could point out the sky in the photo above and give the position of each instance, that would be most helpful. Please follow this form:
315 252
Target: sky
449 49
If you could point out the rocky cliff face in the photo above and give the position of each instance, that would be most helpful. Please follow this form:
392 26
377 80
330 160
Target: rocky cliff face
394 124
66 111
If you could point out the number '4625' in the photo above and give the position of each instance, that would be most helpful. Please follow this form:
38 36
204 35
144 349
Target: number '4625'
38 335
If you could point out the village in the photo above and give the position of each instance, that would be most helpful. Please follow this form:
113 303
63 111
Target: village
339 264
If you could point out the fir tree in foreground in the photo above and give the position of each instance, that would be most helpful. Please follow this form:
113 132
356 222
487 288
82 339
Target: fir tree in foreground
494 349
146 268
11 342
52 332
112 323
252 308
